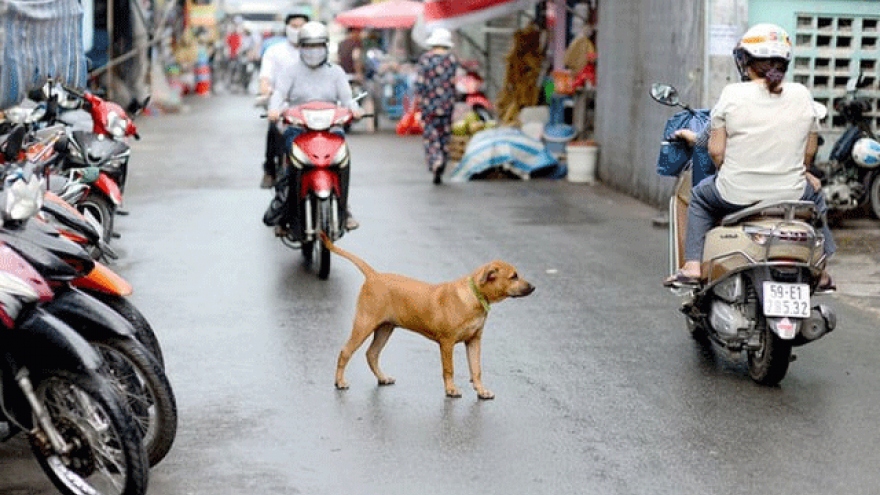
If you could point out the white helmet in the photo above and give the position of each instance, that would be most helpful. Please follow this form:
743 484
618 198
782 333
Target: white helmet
313 39
762 41
313 33
866 152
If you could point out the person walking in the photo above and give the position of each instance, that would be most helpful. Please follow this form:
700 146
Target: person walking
435 97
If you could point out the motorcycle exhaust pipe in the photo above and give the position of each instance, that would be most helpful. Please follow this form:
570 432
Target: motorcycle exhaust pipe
822 321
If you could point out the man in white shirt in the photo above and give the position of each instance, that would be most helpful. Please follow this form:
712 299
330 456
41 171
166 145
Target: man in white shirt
277 59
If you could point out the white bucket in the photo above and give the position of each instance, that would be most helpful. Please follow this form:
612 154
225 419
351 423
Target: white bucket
581 157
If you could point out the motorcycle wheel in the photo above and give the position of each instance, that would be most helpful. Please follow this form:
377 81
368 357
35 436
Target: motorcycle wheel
141 382
874 196
321 253
769 364
107 457
102 210
143 331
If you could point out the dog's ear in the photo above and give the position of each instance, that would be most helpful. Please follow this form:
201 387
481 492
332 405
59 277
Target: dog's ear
490 273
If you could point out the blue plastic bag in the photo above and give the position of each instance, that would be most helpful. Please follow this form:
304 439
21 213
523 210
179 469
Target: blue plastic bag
675 155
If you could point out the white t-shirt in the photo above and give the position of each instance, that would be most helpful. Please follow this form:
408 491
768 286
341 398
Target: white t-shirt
276 58
766 141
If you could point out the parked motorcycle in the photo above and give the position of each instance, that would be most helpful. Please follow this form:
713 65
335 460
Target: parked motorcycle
131 367
97 132
26 140
469 87
51 387
763 264
316 185
106 148
851 177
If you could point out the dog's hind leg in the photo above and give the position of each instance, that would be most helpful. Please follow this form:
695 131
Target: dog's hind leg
380 338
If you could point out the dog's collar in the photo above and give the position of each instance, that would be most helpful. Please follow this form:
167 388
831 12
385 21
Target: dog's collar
480 296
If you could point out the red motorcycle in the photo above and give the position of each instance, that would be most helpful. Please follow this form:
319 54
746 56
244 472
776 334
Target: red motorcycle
317 177
104 147
469 86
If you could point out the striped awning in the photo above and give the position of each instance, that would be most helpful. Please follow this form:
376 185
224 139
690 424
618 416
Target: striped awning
452 14
38 40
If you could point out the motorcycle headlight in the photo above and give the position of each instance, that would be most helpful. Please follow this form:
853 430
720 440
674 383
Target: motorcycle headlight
24 197
319 120
300 158
341 157
116 125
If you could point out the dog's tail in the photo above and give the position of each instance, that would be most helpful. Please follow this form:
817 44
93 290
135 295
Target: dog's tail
362 265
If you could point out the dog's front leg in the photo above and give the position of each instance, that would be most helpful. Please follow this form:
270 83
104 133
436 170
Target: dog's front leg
446 349
473 357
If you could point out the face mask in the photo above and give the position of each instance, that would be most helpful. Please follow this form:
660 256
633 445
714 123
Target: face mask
292 34
313 56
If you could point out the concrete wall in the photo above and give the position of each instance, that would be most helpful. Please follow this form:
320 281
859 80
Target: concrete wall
641 42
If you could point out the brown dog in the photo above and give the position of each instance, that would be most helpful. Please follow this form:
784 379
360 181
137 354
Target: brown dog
447 313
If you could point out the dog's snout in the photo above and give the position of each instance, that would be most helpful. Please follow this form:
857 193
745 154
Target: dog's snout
525 290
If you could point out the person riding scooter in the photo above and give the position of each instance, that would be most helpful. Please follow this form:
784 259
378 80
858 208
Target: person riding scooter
311 79
273 62
763 139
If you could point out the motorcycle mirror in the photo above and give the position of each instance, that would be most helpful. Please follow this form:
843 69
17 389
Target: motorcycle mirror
855 82
361 96
665 94
36 94
61 144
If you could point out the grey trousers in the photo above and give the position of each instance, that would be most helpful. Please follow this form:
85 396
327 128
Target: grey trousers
707 208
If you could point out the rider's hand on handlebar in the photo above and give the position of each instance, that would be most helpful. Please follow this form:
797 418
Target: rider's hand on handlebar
358 113
273 115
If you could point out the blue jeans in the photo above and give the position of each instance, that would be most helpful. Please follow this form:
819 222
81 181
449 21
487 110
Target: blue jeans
707 208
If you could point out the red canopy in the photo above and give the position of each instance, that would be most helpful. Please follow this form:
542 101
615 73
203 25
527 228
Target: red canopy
383 15
453 14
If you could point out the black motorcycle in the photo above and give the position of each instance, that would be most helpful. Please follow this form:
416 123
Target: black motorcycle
849 179
52 388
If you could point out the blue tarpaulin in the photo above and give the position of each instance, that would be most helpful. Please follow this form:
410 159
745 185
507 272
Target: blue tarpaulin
39 39
507 149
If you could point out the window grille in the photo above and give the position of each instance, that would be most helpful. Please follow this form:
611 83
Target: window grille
828 51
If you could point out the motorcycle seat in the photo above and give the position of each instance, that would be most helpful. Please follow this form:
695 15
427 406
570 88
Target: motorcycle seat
788 210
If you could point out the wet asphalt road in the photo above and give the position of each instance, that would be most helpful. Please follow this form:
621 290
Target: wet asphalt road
599 389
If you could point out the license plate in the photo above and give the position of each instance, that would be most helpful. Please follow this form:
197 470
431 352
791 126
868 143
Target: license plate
781 299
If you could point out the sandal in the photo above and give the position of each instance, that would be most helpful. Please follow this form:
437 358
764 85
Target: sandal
681 280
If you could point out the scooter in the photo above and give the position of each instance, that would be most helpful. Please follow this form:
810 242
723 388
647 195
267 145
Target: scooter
851 177
469 87
762 266
316 182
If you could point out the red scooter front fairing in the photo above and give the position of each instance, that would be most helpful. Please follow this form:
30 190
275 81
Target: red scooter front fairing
319 178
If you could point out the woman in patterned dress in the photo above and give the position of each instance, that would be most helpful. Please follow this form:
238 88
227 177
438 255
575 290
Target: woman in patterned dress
435 93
